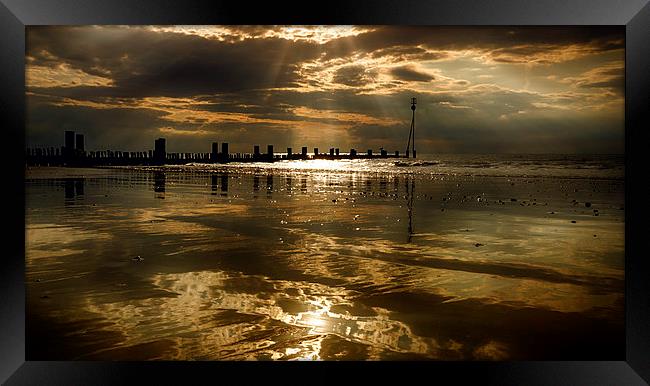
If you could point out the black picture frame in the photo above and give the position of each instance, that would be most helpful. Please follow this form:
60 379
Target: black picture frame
633 14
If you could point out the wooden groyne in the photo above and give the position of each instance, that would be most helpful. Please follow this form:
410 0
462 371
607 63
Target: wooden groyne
77 157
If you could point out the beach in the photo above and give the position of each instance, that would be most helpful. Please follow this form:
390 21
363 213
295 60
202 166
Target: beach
466 258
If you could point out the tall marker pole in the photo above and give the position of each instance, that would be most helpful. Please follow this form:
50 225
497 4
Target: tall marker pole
412 131
413 102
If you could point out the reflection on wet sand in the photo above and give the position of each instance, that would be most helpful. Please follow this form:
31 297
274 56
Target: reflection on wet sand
304 309
288 184
353 267
74 189
410 193
214 184
224 185
159 184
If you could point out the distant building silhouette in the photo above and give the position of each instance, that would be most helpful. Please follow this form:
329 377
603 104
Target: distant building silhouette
79 143
159 152
215 151
68 146
224 150
69 139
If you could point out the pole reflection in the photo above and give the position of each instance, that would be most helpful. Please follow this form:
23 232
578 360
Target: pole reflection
214 184
69 189
269 185
159 180
288 184
73 189
224 185
256 183
410 193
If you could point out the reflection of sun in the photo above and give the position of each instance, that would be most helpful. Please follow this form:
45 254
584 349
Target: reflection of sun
317 321
319 164
204 291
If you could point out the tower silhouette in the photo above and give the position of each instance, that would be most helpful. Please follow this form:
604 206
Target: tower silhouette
412 131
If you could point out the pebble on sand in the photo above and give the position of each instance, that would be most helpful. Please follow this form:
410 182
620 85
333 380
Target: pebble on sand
573 221
588 204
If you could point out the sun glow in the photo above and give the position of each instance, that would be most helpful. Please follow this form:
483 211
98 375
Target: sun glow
312 34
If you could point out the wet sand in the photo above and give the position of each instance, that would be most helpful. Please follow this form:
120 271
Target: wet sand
285 264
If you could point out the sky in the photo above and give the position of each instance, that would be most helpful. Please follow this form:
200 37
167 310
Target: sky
479 89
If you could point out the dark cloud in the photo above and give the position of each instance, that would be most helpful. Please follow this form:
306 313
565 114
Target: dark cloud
616 83
254 77
142 62
146 62
535 39
409 53
408 73
612 78
353 76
